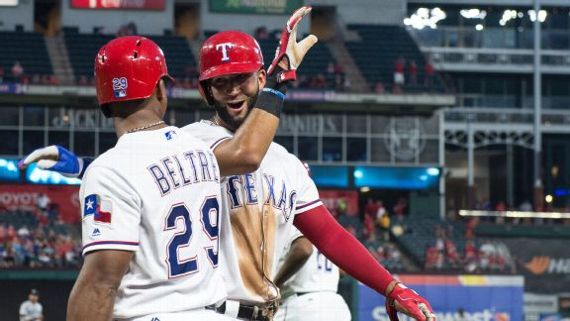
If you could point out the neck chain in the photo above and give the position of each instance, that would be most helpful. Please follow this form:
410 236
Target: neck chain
145 127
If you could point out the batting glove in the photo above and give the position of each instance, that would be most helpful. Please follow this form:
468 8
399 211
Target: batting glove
58 159
409 302
291 49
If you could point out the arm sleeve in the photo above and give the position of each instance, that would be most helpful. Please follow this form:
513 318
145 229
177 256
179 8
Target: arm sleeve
111 211
342 248
307 196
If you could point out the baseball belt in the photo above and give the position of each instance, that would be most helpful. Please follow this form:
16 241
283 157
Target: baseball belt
246 312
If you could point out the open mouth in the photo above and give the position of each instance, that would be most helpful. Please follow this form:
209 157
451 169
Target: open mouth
236 105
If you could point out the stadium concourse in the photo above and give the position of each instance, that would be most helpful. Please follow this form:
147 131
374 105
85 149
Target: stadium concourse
436 132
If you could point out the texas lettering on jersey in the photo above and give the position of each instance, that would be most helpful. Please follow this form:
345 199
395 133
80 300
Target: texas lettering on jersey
276 193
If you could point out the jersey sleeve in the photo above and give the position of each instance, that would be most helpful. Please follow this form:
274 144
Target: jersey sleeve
307 193
111 211
209 133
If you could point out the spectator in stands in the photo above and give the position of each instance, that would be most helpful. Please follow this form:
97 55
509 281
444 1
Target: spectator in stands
400 208
379 88
451 255
261 33
380 210
413 72
83 81
371 207
42 203
525 206
429 73
17 71
384 223
399 79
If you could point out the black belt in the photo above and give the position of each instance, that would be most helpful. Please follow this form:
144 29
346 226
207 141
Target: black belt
248 312
302 293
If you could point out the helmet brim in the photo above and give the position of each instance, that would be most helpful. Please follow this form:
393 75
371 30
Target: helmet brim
229 69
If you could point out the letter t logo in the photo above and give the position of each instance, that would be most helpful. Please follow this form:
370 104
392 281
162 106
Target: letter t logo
225 46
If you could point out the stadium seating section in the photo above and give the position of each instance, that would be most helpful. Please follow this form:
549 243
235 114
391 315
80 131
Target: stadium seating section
82 48
315 63
378 49
29 49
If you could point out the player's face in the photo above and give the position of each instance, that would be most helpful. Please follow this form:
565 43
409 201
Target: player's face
235 95
33 297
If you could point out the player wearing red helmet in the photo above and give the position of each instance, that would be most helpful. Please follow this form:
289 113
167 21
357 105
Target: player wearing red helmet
135 222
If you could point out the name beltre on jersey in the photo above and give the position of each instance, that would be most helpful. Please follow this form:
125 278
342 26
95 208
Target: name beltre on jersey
190 167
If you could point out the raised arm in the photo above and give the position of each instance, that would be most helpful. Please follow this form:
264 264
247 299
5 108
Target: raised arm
244 152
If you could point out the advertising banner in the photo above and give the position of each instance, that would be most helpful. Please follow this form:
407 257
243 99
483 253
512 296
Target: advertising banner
119 4
255 6
483 298
545 263
24 197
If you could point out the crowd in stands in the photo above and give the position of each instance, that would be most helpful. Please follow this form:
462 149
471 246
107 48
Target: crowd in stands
39 247
18 75
373 230
38 238
445 254
406 74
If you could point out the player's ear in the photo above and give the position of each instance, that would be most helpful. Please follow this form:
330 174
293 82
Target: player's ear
161 90
261 77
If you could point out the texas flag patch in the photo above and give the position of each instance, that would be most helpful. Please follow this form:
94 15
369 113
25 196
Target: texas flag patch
100 208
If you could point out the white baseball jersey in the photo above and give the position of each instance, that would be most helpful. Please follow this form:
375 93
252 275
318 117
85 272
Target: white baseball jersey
157 194
30 311
261 208
317 274
310 295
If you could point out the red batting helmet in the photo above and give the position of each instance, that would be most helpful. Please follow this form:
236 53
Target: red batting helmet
128 68
227 53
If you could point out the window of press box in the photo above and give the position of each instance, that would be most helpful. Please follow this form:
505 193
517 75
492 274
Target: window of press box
9 139
332 149
34 116
10 116
84 143
308 148
33 139
59 137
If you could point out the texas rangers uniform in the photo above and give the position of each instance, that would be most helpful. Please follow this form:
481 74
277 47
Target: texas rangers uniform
261 208
157 194
311 294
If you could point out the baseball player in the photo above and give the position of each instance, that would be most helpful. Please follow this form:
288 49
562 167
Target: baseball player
31 309
311 293
264 203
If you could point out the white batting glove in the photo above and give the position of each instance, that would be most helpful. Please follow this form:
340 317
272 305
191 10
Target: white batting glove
291 49
55 158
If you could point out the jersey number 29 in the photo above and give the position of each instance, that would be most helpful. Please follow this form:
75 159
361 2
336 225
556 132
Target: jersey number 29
177 267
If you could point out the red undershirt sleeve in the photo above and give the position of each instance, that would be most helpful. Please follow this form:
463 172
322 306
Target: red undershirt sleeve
342 248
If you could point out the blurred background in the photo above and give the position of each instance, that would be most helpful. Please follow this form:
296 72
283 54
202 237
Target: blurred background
437 133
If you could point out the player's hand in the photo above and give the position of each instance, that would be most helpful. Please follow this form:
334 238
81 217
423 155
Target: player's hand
54 158
408 301
290 53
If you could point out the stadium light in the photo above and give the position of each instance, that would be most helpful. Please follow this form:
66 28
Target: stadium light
473 13
358 174
424 17
479 27
542 14
548 198
509 15
365 189
432 171
520 214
